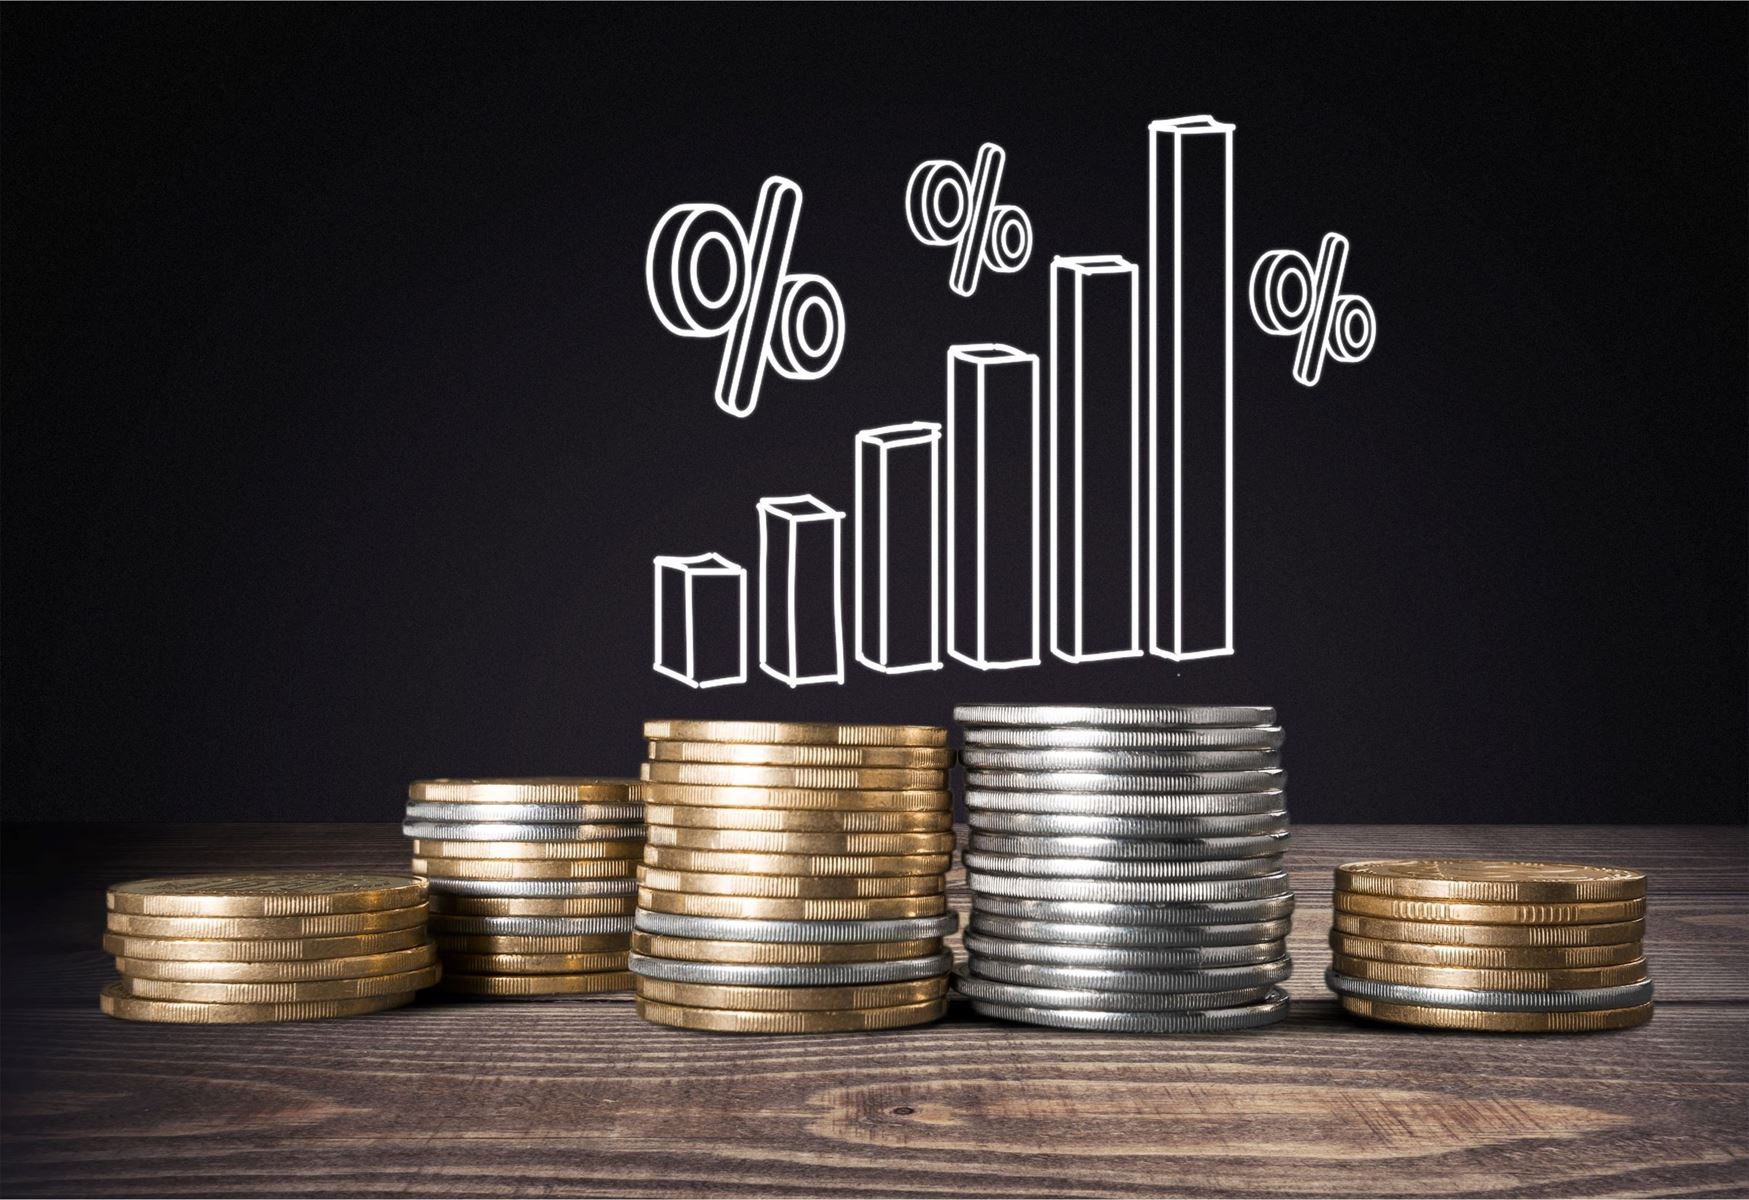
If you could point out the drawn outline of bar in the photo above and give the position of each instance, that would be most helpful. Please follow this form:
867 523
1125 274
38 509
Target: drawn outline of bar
773 506
885 439
690 568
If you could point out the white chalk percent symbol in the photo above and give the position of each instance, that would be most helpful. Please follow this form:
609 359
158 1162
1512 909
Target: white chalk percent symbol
945 207
763 313
1290 297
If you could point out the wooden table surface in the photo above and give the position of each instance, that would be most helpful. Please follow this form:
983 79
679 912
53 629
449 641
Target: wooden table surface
580 1097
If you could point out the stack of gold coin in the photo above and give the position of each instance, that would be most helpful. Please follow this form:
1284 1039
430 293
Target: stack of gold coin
794 880
249 949
532 881
1520 947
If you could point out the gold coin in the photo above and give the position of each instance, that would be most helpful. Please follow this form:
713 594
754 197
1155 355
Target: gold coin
526 868
554 790
737 1020
792 999
792 887
786 820
118 1003
260 949
767 908
1495 957
285 993
538 985
706 795
791 754
1501 1022
671 859
531 943
812 732
802 843
265 894
445 904
395 962
326 925
1399 909
1445 934
517 851
1490 880
781 953
1516 980
853 778
536 964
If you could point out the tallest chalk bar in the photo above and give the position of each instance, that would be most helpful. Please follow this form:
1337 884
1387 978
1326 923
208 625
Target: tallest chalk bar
1190 388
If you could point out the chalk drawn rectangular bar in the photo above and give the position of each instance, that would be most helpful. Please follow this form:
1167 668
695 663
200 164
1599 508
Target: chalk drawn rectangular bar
797 622
1190 388
1095 448
703 593
897 550
992 506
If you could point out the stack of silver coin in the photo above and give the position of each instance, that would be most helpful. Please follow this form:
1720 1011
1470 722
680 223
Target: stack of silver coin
1125 866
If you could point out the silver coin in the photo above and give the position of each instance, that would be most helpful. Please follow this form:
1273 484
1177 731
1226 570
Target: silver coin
761 975
1105 979
1128 783
1142 762
1129 891
505 831
530 926
1093 825
1121 716
736 929
1278 905
996 992
1090 737
1089 804
1220 1020
1147 936
515 889
1492 999
1061 954
533 814
1204 849
1110 868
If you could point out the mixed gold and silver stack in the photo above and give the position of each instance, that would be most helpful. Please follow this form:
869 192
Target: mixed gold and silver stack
533 881
257 948
1125 866
794 880
1519 947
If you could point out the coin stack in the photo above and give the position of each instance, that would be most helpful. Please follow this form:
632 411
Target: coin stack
250 949
1125 866
1521 947
533 881
794 880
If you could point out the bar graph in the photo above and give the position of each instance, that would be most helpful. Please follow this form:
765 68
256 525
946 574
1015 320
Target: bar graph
897 516
701 594
800 549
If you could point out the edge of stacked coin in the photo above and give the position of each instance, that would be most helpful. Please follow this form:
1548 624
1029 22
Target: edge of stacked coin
1125 866
795 877
532 881
1491 945
265 947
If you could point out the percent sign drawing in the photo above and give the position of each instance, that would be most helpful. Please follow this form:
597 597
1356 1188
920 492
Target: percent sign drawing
945 208
763 312
1289 296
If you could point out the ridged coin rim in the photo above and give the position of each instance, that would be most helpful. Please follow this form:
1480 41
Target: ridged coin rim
822 975
1626 995
729 929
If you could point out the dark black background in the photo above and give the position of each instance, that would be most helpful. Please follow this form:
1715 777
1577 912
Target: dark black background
339 434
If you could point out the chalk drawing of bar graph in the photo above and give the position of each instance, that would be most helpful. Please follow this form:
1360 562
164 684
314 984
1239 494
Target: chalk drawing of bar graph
1190 388
703 590
897 556
992 506
1095 455
808 537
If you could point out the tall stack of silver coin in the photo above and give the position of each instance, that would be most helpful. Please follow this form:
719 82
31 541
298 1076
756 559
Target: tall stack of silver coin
1125 866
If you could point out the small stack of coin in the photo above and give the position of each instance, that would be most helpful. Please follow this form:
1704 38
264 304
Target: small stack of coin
1125 866
249 949
1520 947
794 880
533 881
